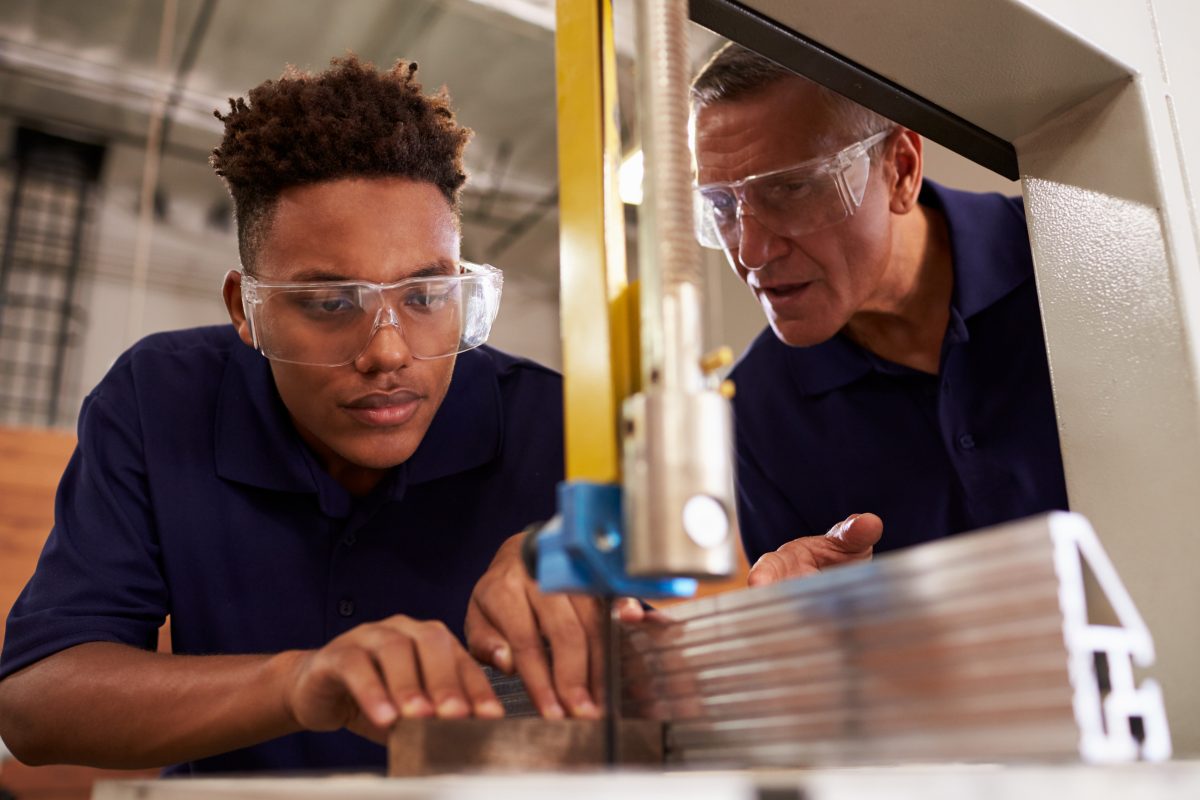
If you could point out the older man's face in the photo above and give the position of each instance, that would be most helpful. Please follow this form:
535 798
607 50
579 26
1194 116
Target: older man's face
809 285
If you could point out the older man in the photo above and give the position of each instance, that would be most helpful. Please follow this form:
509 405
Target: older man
904 371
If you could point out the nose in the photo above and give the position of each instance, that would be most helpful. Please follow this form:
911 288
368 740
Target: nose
758 245
387 350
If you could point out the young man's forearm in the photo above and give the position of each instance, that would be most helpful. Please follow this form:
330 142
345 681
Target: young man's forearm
114 706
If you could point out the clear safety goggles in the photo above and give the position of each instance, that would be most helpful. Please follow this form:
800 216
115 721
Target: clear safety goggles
331 323
791 202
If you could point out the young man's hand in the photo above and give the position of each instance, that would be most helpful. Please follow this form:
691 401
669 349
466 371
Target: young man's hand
370 676
852 539
510 623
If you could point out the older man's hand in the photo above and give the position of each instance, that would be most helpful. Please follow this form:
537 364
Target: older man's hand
852 539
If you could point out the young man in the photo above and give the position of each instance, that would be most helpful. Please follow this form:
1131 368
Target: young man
294 515
904 370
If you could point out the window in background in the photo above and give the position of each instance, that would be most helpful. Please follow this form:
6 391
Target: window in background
52 186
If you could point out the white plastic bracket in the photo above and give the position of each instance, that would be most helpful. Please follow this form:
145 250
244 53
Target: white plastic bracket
1118 721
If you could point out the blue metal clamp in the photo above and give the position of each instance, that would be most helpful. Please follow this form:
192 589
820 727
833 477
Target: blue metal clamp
582 550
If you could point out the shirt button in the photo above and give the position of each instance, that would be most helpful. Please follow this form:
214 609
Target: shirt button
346 607
966 441
349 540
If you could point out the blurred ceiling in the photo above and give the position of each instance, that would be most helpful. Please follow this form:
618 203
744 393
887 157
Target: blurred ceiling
93 65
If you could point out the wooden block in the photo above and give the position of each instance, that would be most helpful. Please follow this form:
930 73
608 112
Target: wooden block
433 746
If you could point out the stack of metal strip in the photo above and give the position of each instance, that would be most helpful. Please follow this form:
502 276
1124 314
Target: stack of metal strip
510 691
950 651
974 648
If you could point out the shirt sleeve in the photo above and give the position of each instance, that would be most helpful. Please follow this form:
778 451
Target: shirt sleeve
766 518
99 577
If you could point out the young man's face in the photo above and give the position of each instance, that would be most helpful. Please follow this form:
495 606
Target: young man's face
367 416
810 285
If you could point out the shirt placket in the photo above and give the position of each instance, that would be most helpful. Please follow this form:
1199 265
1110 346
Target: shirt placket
964 442
349 538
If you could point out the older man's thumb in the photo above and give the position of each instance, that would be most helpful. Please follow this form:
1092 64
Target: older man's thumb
858 533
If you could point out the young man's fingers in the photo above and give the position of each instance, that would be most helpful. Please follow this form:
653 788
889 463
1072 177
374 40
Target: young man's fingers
629 609
398 663
518 628
478 689
534 669
485 643
438 653
357 672
569 647
590 613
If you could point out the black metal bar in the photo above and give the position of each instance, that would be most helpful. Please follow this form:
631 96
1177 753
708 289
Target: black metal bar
809 58
44 250
10 234
68 298
612 682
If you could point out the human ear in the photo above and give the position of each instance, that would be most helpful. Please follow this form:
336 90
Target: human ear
905 158
231 293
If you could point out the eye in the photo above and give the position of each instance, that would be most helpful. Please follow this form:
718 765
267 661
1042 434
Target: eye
723 203
790 190
332 305
428 299
327 304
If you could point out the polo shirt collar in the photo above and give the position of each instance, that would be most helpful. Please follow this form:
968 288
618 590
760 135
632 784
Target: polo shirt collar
468 429
825 366
990 252
988 242
257 444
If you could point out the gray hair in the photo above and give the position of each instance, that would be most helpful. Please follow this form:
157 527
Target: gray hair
734 72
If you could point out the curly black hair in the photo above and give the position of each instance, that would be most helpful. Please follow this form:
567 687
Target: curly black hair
348 121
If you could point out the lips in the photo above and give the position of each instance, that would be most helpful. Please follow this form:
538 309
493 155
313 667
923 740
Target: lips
385 409
782 295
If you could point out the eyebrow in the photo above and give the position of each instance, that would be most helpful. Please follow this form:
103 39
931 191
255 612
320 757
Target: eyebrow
434 269
437 268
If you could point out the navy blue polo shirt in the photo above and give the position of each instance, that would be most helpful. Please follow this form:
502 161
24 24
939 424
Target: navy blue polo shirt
191 494
830 430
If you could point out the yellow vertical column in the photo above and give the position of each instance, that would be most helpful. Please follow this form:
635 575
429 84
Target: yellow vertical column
596 321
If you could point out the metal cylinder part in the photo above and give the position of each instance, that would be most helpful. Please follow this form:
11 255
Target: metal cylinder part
679 501
678 439
669 260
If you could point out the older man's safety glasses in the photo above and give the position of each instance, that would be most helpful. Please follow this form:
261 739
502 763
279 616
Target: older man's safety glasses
331 323
790 202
